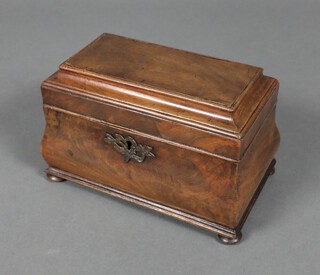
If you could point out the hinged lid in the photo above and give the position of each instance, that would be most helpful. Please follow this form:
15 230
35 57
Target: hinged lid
198 90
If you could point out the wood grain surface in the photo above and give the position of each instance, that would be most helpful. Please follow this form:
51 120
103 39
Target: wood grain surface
177 71
210 123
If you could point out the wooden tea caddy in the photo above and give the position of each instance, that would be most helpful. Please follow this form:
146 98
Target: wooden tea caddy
187 135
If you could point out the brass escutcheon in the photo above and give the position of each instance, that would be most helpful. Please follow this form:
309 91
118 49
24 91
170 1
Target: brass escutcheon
128 147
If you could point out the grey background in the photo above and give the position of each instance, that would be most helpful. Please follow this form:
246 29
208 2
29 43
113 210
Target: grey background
50 228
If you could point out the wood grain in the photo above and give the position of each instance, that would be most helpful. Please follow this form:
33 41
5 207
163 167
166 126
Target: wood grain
210 122
181 72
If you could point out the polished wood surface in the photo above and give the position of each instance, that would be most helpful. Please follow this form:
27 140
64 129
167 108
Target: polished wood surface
238 85
212 147
199 184
177 71
225 234
156 126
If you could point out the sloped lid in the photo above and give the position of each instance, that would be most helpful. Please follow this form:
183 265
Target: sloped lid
196 89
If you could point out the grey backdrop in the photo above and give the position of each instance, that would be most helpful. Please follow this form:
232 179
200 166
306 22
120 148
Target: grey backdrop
47 228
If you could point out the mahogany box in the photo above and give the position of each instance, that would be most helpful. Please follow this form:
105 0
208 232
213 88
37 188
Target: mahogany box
184 134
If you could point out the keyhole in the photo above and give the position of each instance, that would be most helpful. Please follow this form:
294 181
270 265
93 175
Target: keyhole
129 144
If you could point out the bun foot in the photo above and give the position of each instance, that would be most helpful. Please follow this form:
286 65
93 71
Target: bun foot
54 178
229 241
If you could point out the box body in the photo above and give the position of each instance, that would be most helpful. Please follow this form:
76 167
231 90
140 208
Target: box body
185 134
